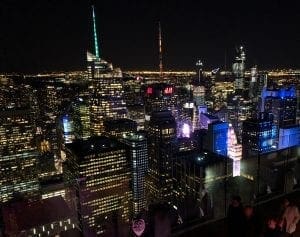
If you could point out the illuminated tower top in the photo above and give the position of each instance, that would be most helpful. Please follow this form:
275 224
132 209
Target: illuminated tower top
95 33
160 50
238 69
241 54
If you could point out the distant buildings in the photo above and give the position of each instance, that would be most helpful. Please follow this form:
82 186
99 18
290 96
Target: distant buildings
90 151
18 149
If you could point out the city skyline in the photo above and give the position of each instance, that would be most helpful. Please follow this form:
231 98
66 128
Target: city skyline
55 36
106 151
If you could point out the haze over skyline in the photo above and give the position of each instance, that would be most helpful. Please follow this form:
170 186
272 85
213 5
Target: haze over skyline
36 39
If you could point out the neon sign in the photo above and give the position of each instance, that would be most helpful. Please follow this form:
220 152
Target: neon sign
168 90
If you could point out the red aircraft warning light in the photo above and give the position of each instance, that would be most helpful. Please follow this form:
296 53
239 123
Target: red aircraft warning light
149 90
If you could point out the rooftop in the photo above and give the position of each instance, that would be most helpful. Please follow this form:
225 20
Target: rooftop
26 215
92 145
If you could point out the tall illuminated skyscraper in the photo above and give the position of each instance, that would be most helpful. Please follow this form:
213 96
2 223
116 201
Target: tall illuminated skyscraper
81 117
138 154
162 133
234 151
18 150
198 89
97 177
198 86
238 69
106 89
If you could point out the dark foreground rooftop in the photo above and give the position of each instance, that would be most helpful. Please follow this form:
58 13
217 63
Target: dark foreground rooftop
218 228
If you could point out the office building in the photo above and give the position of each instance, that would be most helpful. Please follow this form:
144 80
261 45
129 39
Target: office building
48 217
239 108
137 114
238 70
106 89
259 135
81 118
136 144
194 173
18 150
282 103
119 127
97 177
160 97
162 133
288 137
52 186
217 133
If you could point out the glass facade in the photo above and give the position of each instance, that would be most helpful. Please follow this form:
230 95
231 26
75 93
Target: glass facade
138 155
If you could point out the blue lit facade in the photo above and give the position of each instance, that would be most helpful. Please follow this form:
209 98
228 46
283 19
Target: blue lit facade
289 137
282 103
67 129
217 138
259 135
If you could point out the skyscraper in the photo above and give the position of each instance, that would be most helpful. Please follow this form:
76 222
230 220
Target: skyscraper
238 69
138 156
160 97
259 135
119 127
162 132
18 150
217 137
106 89
198 91
98 182
282 103
198 86
81 118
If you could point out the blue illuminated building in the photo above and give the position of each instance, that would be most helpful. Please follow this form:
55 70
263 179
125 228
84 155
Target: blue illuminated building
217 138
282 103
67 129
289 137
259 135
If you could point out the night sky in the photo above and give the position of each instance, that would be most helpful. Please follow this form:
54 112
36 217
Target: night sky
45 35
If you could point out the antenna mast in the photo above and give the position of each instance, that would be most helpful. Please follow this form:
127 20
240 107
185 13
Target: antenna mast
95 33
160 51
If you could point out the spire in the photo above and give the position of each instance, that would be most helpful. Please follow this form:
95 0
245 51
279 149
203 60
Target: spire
160 50
95 33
